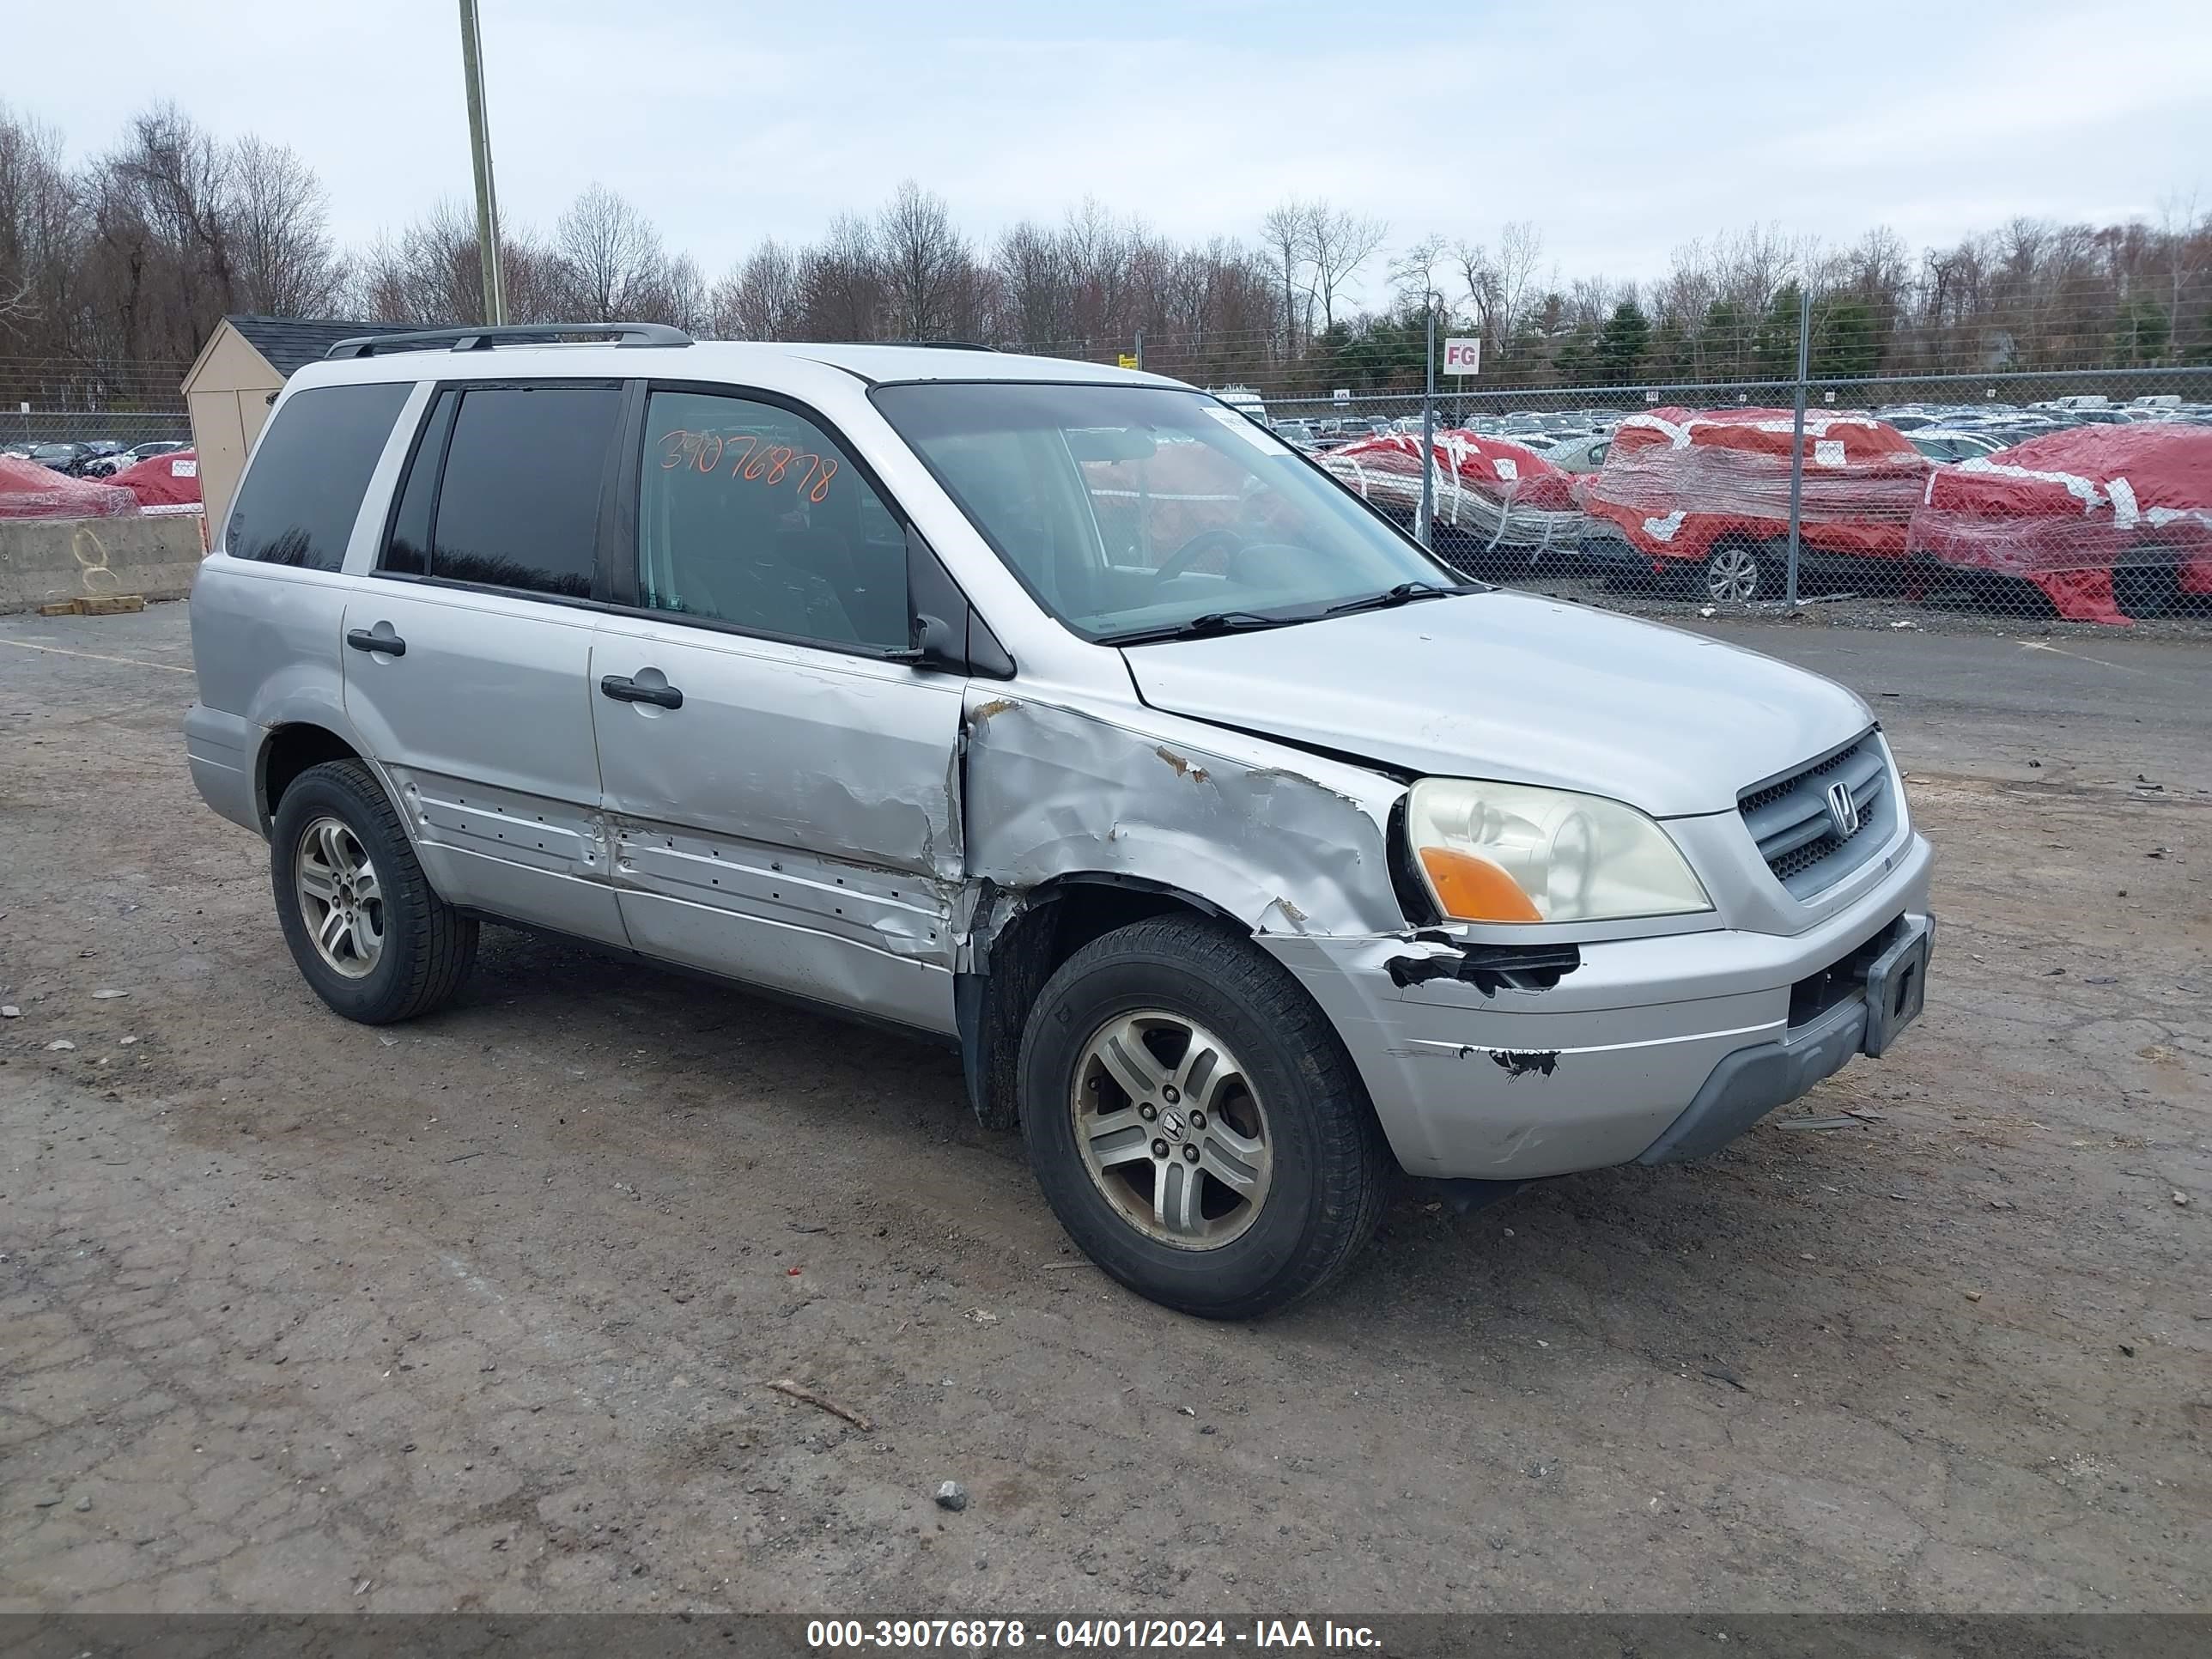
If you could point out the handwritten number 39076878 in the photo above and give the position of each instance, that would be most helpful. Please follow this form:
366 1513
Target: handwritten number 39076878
755 462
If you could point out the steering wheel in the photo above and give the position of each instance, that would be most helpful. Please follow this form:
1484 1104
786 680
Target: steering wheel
1194 550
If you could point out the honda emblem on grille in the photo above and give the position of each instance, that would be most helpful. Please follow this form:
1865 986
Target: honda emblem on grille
1843 812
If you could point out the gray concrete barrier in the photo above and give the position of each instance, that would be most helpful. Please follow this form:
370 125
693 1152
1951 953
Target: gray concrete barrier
48 561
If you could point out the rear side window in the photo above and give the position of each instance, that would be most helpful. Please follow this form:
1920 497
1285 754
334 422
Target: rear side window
303 491
518 504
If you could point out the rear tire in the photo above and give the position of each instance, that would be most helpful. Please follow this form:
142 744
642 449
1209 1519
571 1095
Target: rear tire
1735 572
1195 1018
367 932
2147 589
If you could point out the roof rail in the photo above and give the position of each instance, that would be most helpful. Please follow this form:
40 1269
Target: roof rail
482 338
935 345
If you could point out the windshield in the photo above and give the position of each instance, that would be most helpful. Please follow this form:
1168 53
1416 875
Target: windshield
1134 510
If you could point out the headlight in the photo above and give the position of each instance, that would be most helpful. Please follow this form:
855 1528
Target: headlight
1508 852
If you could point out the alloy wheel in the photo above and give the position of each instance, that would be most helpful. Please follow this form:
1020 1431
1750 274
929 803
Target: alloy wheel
1171 1131
341 899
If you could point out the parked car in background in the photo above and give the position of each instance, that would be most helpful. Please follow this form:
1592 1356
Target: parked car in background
1700 500
2111 522
1299 433
1059 715
104 466
67 458
1245 401
1943 443
1583 454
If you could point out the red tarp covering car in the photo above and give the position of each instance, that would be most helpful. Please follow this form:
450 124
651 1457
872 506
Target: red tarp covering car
28 491
1495 467
1676 481
164 484
2068 510
1492 494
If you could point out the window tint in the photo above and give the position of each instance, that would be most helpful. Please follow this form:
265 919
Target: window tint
303 490
518 503
409 549
750 514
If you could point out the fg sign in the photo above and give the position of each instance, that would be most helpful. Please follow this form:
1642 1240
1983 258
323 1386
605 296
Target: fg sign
1462 356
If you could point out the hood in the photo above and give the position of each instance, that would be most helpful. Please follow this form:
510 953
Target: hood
1518 689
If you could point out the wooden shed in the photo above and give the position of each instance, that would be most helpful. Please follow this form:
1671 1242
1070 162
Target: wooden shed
233 380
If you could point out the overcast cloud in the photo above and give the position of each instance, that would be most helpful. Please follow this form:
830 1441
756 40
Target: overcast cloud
1623 131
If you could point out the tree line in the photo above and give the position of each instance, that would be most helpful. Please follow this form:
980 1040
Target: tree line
114 271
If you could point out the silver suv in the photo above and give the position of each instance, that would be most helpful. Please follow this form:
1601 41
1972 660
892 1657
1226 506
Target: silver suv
1059 713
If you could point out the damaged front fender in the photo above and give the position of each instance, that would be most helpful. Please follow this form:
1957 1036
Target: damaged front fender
1051 793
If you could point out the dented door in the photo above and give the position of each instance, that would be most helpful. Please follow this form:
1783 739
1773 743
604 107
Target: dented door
790 820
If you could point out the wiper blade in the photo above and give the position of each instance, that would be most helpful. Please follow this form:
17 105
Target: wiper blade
1403 593
1199 627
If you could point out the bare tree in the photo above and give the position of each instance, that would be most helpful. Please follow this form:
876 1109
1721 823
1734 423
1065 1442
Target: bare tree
840 284
430 273
759 300
1284 234
1412 273
1338 243
41 232
277 213
612 255
2180 223
925 262
683 299
1520 253
1036 307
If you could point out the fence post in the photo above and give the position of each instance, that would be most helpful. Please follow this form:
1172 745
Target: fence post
1139 352
1797 434
1422 530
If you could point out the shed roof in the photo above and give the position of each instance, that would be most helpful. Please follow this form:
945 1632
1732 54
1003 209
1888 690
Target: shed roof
292 343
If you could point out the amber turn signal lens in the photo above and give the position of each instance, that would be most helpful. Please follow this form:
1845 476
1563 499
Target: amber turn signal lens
1473 888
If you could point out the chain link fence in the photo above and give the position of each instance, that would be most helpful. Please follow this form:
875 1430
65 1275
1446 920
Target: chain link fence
82 420
2024 466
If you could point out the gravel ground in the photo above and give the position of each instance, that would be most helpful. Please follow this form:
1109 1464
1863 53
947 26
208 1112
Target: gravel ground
484 1312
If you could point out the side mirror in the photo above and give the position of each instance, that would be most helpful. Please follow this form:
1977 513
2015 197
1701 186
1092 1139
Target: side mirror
937 644
947 635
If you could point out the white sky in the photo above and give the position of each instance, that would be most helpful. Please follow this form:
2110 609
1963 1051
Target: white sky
1623 130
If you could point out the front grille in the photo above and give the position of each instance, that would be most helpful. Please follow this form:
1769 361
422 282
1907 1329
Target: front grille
1791 820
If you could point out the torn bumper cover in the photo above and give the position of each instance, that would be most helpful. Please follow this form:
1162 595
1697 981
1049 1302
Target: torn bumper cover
1650 1049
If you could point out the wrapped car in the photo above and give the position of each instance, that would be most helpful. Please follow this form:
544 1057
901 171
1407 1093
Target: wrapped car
1704 494
2109 521
1495 501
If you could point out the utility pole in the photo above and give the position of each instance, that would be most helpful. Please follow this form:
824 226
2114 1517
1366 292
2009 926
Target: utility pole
1797 439
495 290
1422 529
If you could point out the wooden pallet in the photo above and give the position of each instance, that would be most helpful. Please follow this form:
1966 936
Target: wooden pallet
108 605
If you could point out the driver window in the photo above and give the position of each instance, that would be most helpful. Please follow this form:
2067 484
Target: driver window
750 514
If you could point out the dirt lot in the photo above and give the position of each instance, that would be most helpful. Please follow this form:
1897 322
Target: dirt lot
481 1312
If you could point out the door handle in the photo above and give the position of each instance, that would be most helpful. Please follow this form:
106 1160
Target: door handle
622 688
390 644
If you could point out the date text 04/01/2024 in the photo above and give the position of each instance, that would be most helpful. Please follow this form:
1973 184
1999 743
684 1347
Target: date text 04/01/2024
1111 1635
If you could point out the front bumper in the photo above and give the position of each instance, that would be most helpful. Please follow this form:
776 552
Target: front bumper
1652 1049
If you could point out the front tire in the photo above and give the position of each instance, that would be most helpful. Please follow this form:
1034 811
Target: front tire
367 932
1195 1123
